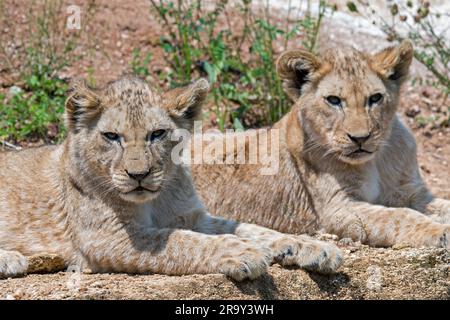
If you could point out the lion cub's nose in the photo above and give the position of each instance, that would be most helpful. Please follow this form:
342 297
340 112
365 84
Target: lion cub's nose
359 139
138 176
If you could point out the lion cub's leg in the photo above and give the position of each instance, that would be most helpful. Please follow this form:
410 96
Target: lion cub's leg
288 250
439 210
423 201
382 226
175 252
12 263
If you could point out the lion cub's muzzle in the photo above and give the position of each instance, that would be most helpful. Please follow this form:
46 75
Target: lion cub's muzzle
138 175
140 181
360 147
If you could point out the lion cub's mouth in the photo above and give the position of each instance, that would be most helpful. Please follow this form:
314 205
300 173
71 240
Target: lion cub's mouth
358 153
362 151
141 189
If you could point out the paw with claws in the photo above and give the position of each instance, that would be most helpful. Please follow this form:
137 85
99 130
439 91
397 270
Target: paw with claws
12 264
433 235
246 260
306 253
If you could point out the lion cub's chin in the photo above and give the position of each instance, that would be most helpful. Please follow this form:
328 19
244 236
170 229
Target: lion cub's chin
357 158
140 196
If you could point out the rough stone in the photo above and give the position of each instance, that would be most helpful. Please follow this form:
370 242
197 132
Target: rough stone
45 263
368 273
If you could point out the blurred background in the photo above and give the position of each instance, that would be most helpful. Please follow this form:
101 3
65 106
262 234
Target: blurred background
44 44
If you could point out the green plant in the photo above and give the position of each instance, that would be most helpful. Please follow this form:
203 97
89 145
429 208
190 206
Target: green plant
34 108
139 65
417 21
35 112
239 63
90 77
44 46
311 25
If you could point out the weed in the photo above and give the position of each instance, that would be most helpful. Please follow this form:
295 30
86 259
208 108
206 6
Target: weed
418 21
34 108
35 112
239 62
139 65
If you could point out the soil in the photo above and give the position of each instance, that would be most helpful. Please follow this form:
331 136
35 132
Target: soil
108 37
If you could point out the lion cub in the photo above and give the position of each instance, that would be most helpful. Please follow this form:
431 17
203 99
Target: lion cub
110 197
347 165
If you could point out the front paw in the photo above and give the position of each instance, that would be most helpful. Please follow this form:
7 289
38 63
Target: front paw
307 253
442 218
247 260
12 263
435 235
444 238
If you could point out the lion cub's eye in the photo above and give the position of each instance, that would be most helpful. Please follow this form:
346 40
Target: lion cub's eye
375 98
157 134
333 100
111 136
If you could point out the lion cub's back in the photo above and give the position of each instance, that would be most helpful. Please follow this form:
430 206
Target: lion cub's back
27 190
27 174
25 167
25 179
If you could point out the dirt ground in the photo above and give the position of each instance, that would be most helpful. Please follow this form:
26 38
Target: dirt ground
114 30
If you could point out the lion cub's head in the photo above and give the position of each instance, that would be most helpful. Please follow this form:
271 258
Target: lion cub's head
119 136
346 99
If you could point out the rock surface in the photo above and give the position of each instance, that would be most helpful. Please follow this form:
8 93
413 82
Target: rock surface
368 273
45 263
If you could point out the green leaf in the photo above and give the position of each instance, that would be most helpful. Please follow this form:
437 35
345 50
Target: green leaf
238 125
394 9
33 81
211 71
167 47
429 61
352 6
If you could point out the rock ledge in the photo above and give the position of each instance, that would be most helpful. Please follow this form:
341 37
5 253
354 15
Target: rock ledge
368 273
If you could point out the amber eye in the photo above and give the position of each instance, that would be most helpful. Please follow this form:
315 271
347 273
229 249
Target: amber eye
111 136
157 134
333 100
375 98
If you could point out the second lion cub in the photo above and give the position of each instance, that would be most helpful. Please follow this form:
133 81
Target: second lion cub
347 164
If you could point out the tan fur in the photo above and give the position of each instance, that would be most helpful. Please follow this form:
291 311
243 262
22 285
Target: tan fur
78 199
378 198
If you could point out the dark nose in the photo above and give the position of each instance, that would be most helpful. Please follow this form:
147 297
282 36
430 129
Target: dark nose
139 176
359 139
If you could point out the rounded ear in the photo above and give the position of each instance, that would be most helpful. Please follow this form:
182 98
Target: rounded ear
185 104
393 63
82 106
296 68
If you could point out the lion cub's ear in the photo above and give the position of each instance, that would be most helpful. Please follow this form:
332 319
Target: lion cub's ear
185 104
296 68
393 63
82 106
